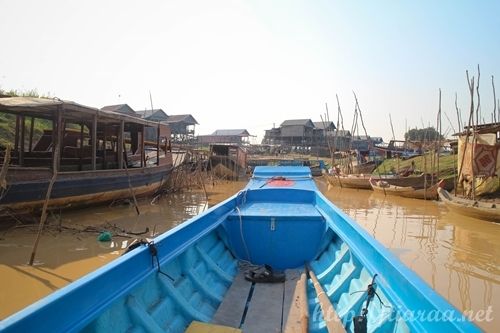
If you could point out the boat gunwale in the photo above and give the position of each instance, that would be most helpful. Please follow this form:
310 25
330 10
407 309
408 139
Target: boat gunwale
384 257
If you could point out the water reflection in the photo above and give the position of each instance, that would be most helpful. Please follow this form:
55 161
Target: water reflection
63 256
457 255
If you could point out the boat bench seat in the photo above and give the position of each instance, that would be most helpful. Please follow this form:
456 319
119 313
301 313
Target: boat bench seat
287 210
263 307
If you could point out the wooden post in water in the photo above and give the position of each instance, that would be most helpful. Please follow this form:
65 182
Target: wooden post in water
143 152
55 166
80 165
136 205
16 138
32 128
104 146
158 145
120 144
21 148
94 142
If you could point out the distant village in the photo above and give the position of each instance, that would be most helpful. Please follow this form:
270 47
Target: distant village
292 136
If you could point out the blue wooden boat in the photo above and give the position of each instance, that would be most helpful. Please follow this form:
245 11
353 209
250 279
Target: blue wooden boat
193 274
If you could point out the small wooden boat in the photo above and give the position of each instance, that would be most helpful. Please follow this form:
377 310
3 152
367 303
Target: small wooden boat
358 181
86 155
429 193
473 208
362 181
416 181
209 271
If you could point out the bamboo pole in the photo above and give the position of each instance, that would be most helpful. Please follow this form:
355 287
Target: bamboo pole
120 144
16 138
80 166
459 117
55 166
94 142
21 145
5 167
32 128
43 217
439 136
332 324
470 83
392 127
494 99
104 152
130 188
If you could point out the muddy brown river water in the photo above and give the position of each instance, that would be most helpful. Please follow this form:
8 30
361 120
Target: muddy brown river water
458 256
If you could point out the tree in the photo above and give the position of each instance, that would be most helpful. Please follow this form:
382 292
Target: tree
427 134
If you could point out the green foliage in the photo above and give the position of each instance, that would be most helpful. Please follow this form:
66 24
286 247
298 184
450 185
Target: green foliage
24 93
425 134
422 163
8 121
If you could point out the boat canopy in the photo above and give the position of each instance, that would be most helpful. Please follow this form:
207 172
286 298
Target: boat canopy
47 108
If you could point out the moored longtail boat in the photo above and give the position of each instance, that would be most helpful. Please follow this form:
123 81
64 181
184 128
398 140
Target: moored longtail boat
474 208
194 273
362 181
425 193
357 181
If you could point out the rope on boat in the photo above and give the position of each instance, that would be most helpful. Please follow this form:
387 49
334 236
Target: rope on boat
361 321
153 250
241 234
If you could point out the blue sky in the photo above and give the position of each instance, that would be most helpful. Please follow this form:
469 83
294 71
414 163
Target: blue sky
252 64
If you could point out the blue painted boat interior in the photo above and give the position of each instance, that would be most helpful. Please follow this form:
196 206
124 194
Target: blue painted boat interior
279 219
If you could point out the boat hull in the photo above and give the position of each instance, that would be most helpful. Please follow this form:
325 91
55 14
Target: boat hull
472 208
429 193
350 181
82 188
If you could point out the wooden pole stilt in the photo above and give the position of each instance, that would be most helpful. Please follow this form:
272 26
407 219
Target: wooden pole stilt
55 167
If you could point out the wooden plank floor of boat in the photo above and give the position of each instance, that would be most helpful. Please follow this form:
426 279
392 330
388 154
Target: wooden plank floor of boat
264 307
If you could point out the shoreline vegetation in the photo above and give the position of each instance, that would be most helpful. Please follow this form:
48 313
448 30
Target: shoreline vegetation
7 130
425 163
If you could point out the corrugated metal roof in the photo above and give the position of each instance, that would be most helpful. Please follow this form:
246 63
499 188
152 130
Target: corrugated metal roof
298 122
231 132
154 115
120 108
321 125
186 118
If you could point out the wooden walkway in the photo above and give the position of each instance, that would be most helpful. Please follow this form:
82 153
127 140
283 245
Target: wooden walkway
265 307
